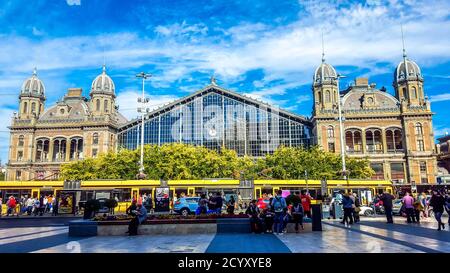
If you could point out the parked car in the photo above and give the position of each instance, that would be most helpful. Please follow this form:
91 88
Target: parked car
366 211
186 205
397 207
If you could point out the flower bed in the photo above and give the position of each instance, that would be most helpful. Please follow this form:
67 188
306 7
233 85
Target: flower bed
169 218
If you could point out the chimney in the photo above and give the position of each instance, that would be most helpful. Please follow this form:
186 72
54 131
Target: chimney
74 92
361 82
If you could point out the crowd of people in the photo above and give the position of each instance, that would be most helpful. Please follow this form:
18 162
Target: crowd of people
26 205
274 217
419 206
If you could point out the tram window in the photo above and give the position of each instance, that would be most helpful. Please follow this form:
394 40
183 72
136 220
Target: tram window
181 192
126 195
147 192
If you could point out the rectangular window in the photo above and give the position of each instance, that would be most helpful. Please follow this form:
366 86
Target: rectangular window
420 145
94 153
378 169
19 155
331 147
397 171
423 167
18 175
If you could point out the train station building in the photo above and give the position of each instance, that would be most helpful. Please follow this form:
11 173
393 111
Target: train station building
395 132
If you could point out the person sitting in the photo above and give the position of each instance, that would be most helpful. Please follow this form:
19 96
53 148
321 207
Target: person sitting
230 205
140 216
267 216
297 215
218 203
253 212
202 203
130 210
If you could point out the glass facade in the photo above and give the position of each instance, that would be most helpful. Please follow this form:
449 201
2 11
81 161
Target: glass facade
216 118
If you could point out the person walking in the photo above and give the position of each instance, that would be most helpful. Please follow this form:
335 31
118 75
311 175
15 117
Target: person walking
306 203
408 202
253 213
279 204
447 205
418 208
347 204
387 199
437 201
54 206
424 203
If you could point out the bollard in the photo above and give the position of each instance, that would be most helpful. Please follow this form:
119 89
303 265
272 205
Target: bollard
316 217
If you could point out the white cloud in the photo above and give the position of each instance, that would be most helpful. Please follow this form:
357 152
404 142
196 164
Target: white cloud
37 32
127 101
440 97
73 2
303 98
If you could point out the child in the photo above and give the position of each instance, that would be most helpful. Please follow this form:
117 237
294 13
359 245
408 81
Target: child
267 217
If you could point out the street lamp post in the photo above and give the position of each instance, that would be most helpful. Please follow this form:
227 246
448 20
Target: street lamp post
341 133
143 110
306 181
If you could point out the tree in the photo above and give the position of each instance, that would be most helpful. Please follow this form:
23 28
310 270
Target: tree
176 161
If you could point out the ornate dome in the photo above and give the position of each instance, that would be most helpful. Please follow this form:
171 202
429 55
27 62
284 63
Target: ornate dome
413 69
328 73
33 86
103 84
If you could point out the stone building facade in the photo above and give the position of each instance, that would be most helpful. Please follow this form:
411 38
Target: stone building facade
394 132
74 128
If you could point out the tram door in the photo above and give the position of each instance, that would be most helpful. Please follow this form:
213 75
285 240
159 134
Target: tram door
134 194
257 192
35 193
191 191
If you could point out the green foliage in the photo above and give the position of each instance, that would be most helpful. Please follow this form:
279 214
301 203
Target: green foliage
182 161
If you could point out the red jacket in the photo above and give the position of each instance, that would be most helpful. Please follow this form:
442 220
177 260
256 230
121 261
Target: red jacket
306 202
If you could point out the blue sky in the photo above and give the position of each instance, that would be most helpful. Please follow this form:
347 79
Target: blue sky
265 49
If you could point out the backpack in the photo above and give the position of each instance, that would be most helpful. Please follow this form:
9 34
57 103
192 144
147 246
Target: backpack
277 205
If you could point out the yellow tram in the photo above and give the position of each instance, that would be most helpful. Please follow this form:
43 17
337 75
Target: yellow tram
125 190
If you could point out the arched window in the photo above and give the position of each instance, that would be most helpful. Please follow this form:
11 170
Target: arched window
419 129
335 96
33 107
25 107
330 132
95 138
353 141
20 142
414 92
405 93
394 140
98 105
319 94
105 105
373 141
327 96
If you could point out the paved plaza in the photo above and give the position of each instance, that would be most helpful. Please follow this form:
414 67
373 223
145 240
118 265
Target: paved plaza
371 235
